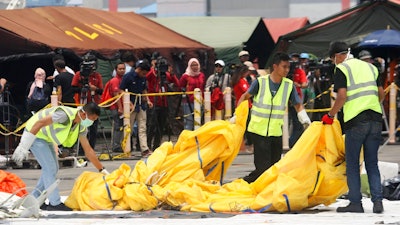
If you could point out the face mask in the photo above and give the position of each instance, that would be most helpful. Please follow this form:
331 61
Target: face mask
86 122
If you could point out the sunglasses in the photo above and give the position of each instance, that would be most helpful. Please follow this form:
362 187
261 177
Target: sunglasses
217 65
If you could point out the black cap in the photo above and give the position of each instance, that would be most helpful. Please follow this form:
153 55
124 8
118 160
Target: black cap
338 47
295 54
143 64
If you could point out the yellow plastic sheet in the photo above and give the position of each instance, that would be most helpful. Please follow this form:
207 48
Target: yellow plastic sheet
187 176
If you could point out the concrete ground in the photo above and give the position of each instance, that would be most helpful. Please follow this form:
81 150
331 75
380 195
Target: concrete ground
242 165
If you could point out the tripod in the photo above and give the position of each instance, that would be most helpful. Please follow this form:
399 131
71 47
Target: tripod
6 120
184 95
92 130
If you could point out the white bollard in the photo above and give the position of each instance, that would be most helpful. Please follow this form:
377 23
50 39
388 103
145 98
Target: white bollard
197 108
54 97
285 134
126 101
228 103
207 106
392 113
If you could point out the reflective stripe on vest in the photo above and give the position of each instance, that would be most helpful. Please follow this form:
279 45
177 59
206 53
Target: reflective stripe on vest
267 112
362 91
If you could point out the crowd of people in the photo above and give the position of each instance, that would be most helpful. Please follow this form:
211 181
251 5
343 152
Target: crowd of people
294 82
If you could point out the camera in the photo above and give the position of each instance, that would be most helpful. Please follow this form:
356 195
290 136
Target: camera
88 65
162 69
162 66
326 69
293 66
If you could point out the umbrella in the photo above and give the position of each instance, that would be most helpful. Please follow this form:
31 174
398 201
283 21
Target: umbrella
381 38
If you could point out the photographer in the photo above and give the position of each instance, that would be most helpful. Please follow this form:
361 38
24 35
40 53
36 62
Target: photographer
87 85
299 78
216 83
322 75
160 79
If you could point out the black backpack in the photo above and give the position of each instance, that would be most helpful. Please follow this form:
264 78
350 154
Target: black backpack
38 100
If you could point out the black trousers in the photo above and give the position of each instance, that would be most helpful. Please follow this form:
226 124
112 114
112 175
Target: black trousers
267 151
157 123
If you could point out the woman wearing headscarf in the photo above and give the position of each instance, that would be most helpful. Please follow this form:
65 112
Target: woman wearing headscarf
191 79
38 92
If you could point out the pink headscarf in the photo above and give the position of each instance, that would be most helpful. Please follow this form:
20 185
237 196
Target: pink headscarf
40 77
189 70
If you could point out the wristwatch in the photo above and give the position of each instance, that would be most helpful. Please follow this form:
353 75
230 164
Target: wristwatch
330 116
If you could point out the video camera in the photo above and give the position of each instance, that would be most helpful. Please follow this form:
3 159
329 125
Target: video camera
88 66
326 69
293 66
162 69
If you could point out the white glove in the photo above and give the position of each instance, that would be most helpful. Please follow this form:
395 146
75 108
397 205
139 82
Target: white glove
232 119
104 171
303 117
22 151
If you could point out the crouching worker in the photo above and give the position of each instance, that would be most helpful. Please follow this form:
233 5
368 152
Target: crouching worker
59 125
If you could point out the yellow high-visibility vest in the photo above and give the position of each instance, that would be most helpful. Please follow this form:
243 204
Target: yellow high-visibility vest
61 134
362 91
268 111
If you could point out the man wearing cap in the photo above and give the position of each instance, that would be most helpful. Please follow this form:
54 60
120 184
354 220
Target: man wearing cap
271 95
366 56
360 93
244 56
218 80
135 82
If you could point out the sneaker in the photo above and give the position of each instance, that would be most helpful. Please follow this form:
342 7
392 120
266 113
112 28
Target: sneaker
146 153
59 207
378 207
44 206
352 207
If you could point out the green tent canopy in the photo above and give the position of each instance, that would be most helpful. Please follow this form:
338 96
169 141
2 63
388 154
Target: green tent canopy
227 35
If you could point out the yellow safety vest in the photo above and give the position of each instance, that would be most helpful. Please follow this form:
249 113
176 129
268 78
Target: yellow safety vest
61 134
267 112
362 91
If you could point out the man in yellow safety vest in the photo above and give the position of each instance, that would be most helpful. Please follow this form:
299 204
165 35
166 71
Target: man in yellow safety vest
360 92
58 125
271 96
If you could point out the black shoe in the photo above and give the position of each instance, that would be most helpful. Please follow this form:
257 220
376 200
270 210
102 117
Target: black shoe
59 207
44 206
352 207
147 153
378 207
118 150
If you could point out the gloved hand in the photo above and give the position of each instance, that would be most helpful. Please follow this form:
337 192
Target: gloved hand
303 117
232 120
326 119
104 171
22 151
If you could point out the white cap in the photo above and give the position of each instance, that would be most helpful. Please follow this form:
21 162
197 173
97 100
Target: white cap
220 62
364 54
249 65
242 53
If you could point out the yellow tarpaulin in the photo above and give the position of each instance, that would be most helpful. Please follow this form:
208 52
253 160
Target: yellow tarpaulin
187 176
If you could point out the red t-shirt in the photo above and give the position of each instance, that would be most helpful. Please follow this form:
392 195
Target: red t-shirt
299 76
114 87
94 79
192 82
154 86
240 88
